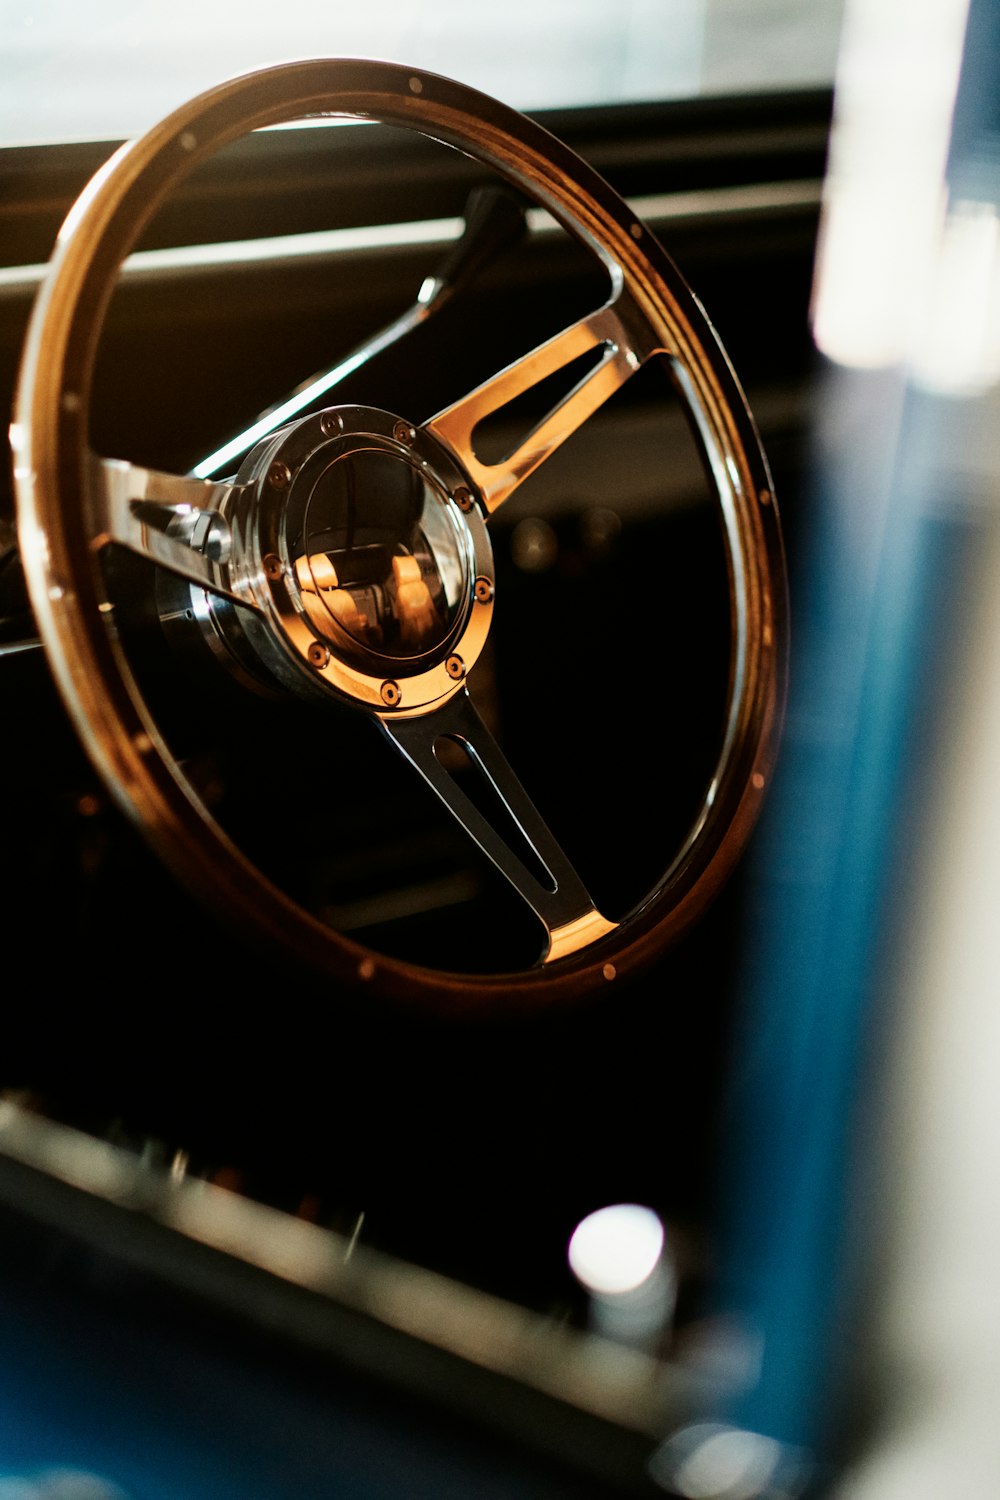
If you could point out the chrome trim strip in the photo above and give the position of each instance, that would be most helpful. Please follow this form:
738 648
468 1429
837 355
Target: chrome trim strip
655 208
611 1381
16 648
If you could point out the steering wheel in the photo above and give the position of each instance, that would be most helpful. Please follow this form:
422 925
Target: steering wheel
348 561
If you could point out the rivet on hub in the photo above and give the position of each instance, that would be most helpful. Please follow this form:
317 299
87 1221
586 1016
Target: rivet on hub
483 590
330 423
279 475
318 654
272 565
455 667
403 433
463 497
391 694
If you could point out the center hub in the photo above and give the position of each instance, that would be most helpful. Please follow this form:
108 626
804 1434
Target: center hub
376 571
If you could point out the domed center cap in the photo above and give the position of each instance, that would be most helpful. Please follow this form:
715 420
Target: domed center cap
381 556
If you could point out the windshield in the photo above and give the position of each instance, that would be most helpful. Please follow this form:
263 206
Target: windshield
111 68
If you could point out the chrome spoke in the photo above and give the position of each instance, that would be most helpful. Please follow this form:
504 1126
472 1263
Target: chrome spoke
307 395
621 349
503 821
18 648
493 221
170 519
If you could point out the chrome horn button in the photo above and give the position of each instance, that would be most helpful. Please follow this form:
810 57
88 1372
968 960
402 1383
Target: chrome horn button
380 554
370 570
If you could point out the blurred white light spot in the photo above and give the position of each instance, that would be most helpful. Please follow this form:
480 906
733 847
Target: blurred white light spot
616 1249
715 1462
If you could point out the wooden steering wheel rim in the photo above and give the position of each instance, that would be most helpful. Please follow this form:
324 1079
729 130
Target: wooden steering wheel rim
51 474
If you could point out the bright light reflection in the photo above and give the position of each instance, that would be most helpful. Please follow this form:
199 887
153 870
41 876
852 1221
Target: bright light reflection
960 351
884 198
616 1249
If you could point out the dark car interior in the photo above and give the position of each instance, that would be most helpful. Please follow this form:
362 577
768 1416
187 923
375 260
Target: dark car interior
287 1182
